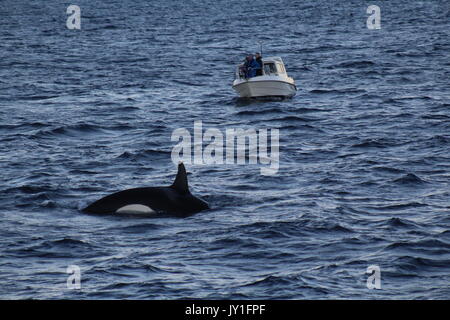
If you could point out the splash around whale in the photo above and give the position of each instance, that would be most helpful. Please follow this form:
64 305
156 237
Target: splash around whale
174 200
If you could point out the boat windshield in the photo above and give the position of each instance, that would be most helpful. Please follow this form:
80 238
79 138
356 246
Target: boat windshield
273 68
270 68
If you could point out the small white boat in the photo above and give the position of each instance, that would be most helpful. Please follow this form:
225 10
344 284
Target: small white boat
274 82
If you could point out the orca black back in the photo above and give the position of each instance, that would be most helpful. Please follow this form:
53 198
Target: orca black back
175 199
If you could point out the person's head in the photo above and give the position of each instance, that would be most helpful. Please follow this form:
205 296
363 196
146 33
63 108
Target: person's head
258 55
249 57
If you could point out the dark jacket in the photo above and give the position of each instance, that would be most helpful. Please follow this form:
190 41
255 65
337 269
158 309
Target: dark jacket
251 67
259 71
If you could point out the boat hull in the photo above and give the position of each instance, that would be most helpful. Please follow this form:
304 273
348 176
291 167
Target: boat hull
254 88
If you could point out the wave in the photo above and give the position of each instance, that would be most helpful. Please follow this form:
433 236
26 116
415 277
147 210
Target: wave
409 179
37 97
26 125
282 283
338 91
438 246
61 248
189 83
371 144
420 264
77 130
27 189
359 64
145 154
68 242
388 169
400 206
259 112
291 119
136 228
397 222
286 229
435 117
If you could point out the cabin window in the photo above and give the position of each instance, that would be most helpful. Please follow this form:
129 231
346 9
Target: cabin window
270 68
281 68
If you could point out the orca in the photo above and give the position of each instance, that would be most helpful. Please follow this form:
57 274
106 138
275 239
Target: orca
176 200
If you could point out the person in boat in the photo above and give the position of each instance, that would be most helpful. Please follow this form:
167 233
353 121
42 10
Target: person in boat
242 70
258 59
250 66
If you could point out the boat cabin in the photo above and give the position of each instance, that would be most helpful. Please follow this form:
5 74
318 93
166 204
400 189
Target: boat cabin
272 66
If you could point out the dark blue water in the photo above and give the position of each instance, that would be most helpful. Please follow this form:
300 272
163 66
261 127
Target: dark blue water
364 174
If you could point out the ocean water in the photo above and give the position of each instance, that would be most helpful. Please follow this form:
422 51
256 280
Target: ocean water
364 176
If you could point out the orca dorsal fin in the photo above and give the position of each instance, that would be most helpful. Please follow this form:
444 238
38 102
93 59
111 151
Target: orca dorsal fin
181 183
